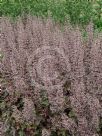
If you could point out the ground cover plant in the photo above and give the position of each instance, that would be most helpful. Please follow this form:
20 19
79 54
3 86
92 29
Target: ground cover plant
50 68
50 80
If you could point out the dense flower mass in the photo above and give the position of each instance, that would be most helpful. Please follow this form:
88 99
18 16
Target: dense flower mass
51 79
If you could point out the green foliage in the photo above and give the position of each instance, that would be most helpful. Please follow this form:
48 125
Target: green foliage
97 12
99 130
78 12
61 132
45 101
1 56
